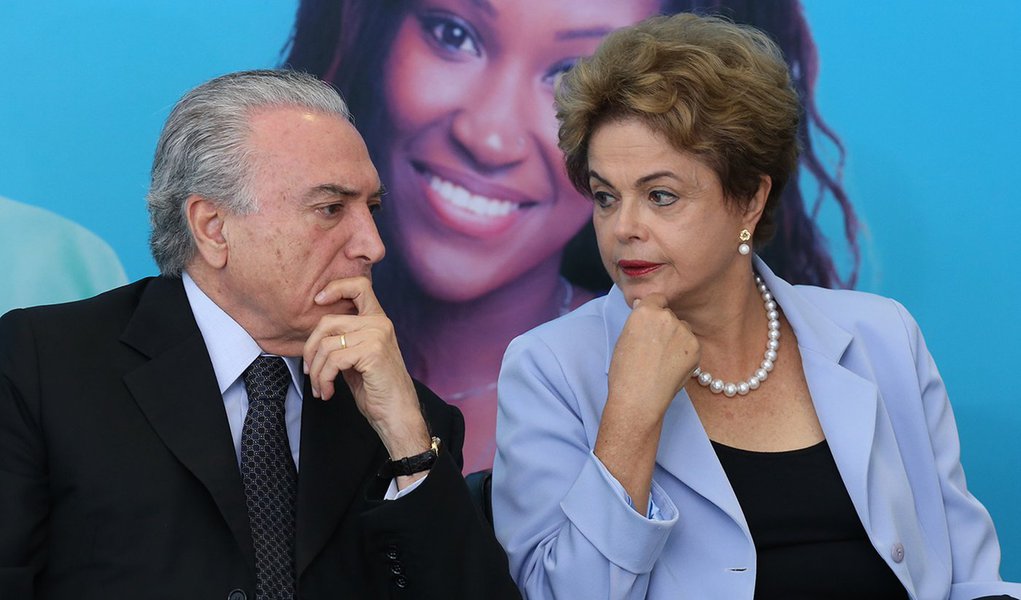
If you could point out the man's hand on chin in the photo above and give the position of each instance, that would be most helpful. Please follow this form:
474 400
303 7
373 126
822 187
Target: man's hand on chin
363 348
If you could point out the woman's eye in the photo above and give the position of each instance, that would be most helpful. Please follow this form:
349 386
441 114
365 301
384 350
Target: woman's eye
662 198
451 33
602 199
559 69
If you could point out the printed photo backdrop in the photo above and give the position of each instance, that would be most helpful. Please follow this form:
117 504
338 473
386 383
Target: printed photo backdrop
482 229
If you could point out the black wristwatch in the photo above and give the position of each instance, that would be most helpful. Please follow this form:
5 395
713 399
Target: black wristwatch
409 465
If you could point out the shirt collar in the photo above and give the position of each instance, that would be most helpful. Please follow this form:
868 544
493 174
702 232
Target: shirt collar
231 349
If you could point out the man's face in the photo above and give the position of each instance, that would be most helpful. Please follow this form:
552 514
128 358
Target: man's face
315 189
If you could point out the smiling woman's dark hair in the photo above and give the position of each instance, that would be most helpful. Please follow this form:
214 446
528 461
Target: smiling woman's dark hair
344 42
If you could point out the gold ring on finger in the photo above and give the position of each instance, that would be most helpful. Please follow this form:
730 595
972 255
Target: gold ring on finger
343 342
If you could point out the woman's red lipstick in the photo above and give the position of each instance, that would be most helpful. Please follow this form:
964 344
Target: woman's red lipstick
637 268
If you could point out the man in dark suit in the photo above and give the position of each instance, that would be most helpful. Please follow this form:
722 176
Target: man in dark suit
242 426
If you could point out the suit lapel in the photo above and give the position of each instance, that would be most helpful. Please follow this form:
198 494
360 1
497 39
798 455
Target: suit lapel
177 391
339 453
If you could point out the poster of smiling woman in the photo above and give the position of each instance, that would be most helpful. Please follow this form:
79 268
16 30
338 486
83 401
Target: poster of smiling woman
487 238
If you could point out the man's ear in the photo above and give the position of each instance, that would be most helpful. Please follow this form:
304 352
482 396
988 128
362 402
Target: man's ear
753 212
205 219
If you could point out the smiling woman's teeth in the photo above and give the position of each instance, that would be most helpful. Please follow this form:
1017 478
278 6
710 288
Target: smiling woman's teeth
473 203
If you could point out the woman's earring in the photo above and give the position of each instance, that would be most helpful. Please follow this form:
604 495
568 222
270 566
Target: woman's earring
744 236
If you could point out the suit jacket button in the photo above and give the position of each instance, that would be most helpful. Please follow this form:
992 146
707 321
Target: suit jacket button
396 568
391 552
897 552
237 595
401 582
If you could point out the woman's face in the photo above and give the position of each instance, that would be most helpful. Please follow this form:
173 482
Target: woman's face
476 177
662 221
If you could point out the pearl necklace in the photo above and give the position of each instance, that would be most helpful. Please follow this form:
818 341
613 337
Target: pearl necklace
718 386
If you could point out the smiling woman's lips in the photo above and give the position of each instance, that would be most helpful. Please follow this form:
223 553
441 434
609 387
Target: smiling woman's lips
473 203
468 212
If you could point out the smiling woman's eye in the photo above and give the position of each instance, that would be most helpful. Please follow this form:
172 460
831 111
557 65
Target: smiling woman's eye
662 198
558 69
451 33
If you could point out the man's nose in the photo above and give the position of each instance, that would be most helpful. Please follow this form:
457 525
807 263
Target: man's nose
364 243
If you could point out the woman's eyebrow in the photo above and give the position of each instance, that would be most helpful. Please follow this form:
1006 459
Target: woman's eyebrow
656 175
638 182
593 175
485 5
573 34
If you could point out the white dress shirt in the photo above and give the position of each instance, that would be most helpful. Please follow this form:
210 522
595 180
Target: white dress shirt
232 350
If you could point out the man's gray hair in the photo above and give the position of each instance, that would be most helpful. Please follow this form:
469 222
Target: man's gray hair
203 150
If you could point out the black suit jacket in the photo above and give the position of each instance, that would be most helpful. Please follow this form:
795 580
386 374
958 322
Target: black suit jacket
118 477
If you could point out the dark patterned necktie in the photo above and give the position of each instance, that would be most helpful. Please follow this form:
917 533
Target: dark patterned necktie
269 478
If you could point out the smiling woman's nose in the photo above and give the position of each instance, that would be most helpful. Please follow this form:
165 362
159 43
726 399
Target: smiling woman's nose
493 132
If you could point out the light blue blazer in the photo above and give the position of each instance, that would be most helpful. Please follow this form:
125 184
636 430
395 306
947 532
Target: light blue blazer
566 523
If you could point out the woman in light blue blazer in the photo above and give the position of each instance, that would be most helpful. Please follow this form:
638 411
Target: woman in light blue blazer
707 430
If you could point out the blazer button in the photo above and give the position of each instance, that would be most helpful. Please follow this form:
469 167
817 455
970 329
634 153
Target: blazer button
401 582
391 552
237 595
396 568
897 552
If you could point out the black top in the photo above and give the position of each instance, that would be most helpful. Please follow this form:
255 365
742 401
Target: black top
809 540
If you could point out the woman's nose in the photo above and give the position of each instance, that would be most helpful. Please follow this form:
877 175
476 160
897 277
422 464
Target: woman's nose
628 225
494 130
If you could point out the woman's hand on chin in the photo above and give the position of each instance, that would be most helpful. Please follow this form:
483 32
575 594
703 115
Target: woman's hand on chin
654 357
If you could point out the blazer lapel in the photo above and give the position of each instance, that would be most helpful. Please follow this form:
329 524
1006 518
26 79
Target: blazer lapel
686 453
177 391
860 434
845 402
846 406
339 454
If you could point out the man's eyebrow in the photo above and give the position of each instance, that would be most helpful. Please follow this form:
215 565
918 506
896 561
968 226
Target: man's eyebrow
332 189
342 191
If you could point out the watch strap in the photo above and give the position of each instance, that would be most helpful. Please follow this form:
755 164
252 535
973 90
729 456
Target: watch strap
409 465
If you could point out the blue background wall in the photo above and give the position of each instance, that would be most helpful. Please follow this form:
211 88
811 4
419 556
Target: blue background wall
923 94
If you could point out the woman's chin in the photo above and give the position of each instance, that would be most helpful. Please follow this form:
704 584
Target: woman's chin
451 284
